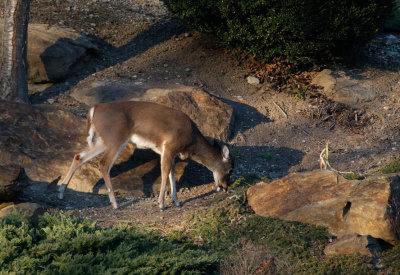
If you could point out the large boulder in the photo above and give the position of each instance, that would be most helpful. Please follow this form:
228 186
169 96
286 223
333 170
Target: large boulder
53 51
12 181
28 209
213 117
354 243
366 207
43 139
346 90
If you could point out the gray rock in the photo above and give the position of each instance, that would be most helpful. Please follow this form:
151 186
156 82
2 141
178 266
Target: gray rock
52 51
12 181
348 91
252 80
353 243
391 39
29 210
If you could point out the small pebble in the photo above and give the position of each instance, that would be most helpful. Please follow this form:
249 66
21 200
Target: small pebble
252 80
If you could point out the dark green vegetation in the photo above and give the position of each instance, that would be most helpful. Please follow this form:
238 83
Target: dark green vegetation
226 238
302 32
60 244
395 20
391 167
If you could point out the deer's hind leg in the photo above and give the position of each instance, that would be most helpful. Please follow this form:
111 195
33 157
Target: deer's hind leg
79 159
173 184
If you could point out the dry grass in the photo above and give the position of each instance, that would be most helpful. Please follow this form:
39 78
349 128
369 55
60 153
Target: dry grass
248 258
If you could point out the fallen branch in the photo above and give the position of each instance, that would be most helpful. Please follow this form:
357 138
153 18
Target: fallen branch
279 107
324 162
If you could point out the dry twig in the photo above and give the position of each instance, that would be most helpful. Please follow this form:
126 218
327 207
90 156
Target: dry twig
324 161
279 107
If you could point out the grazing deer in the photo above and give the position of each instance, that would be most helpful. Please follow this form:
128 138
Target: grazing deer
168 132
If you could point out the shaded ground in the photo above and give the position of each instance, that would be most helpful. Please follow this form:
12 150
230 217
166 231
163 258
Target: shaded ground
139 40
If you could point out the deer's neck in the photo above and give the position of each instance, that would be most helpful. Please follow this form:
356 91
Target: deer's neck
206 154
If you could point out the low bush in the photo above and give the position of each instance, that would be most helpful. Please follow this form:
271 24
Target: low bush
61 244
394 21
226 238
300 31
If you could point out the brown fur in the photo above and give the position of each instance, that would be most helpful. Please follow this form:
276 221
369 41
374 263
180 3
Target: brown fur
165 130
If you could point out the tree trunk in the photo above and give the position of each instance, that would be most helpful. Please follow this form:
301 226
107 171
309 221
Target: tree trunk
13 75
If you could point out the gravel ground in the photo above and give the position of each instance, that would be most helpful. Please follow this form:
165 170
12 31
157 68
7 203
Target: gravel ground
141 40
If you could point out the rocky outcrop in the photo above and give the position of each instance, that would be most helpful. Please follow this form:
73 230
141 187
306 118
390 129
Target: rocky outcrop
347 90
44 139
354 243
28 209
213 117
367 207
53 51
12 181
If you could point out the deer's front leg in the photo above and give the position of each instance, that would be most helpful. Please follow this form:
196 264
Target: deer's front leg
106 163
166 165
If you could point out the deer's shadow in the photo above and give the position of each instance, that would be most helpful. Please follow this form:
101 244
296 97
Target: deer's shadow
270 161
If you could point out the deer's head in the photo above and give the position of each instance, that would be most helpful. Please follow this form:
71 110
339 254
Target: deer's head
223 172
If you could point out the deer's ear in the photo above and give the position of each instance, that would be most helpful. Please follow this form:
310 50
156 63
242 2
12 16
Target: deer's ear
225 152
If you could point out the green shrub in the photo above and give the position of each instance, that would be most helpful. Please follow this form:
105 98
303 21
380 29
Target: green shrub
394 21
60 244
300 31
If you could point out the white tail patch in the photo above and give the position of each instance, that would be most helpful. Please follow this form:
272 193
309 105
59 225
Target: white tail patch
91 113
90 137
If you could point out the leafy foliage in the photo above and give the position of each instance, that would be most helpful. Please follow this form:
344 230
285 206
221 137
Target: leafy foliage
300 31
394 21
60 244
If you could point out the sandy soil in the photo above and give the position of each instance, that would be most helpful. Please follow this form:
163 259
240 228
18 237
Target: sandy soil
141 40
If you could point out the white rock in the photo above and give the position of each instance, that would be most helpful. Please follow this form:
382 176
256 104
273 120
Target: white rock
252 80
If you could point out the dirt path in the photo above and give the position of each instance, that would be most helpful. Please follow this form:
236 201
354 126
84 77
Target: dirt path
140 40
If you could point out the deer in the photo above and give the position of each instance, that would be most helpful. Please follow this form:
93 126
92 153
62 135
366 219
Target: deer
168 132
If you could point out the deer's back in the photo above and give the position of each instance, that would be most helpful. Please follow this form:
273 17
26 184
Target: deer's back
119 121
